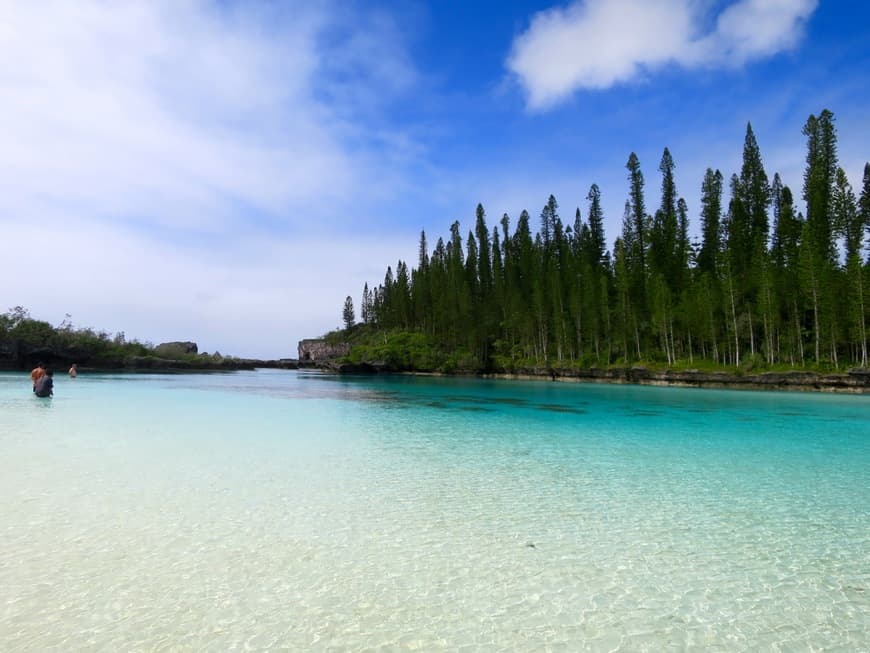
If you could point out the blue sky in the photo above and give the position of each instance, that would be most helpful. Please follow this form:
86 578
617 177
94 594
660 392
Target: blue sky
227 172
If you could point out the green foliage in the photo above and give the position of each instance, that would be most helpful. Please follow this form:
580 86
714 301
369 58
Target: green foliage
82 344
400 350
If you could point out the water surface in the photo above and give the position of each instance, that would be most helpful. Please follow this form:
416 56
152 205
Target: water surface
268 510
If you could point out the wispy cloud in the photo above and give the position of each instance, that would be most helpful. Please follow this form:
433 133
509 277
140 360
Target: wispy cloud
165 149
167 110
256 299
594 44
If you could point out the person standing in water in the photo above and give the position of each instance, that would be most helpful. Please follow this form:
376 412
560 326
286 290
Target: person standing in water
45 385
37 373
73 371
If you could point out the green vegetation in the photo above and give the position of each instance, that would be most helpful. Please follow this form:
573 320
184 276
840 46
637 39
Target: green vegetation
16 326
24 340
766 288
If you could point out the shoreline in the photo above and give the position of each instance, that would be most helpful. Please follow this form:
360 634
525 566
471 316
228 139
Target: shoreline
856 381
794 381
161 365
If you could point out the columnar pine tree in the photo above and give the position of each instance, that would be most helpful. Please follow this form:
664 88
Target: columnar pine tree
785 256
637 245
850 223
347 314
819 249
711 217
366 304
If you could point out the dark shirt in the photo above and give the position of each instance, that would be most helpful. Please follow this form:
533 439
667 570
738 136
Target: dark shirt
44 387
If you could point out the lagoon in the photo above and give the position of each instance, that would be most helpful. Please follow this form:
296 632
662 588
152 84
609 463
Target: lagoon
276 510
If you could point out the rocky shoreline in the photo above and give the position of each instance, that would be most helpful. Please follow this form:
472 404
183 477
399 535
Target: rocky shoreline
317 353
851 382
856 381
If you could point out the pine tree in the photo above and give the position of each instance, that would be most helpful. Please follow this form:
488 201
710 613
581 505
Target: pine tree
707 286
421 296
348 314
711 217
754 192
597 243
818 243
864 202
596 287
665 266
580 243
631 275
638 215
863 218
623 312
366 305
637 246
484 262
663 236
850 223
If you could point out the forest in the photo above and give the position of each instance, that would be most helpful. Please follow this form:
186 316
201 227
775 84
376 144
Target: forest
763 286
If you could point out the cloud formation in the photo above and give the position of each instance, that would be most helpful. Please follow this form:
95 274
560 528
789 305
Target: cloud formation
189 163
595 44
169 110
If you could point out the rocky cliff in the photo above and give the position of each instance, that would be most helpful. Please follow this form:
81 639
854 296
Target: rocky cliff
318 350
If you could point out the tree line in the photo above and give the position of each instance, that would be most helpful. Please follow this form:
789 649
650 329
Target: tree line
766 284
25 340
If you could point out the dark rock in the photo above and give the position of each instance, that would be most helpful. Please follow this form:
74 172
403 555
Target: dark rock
316 350
170 349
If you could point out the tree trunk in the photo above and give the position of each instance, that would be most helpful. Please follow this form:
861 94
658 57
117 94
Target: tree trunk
798 334
734 322
816 323
751 335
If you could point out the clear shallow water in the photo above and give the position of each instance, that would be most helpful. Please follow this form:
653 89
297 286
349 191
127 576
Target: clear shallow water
270 510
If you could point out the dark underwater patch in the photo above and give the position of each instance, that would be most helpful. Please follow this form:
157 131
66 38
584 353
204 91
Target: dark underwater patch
557 408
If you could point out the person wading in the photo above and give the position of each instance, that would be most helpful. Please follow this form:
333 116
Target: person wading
37 373
45 385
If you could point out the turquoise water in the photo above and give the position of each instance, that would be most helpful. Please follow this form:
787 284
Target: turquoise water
282 511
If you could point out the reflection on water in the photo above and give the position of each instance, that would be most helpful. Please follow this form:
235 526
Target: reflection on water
270 510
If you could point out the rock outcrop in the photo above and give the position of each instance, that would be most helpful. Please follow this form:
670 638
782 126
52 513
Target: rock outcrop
318 350
171 349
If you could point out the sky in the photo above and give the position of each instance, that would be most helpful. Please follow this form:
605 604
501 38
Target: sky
228 172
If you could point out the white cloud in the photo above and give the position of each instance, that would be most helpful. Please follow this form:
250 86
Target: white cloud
170 109
594 44
170 160
752 29
257 299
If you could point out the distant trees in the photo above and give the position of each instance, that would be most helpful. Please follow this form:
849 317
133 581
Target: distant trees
18 328
765 284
